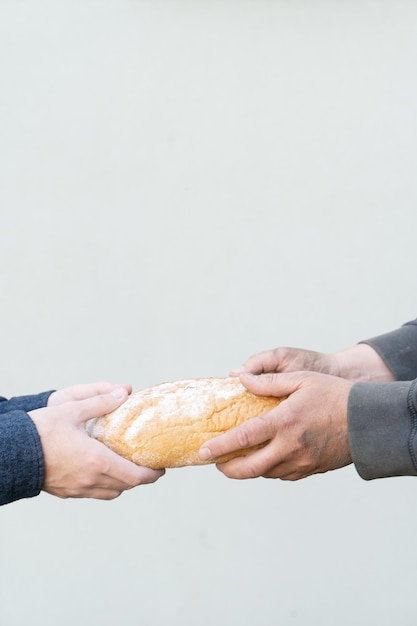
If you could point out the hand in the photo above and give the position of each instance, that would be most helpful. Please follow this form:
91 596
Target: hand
359 362
305 434
77 466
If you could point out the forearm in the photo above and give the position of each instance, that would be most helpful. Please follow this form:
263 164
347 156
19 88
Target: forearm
21 457
382 416
382 427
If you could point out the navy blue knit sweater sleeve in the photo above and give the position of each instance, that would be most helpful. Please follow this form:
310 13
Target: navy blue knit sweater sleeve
24 403
21 455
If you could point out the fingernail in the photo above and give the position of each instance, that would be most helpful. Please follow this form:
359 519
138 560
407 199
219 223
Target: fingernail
205 453
237 371
119 393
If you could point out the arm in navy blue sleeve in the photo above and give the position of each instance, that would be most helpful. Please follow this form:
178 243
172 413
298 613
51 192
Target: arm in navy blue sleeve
24 403
21 455
21 458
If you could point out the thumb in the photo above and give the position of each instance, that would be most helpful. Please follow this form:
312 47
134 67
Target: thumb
277 385
98 406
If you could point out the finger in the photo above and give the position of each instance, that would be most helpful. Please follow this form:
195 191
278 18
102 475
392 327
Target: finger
90 483
116 483
106 494
97 406
253 465
82 392
278 385
128 473
254 432
272 461
97 494
259 363
285 474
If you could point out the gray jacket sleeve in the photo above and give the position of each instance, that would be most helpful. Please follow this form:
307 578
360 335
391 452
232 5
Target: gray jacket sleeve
21 455
382 417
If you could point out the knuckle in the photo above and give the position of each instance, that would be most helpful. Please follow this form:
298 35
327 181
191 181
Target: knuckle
268 424
142 479
96 465
242 437
251 471
252 466
104 494
104 383
86 483
279 355
306 468
112 495
289 478
298 474
147 479
238 471
269 378
287 421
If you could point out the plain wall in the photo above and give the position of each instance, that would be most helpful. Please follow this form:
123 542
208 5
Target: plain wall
182 184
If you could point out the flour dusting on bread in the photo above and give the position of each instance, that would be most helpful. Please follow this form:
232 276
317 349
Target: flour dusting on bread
165 425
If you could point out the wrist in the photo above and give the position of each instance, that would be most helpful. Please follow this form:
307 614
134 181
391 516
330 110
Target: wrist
362 363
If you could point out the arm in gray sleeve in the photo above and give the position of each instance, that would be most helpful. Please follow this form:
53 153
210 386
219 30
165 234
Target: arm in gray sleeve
382 417
398 350
382 421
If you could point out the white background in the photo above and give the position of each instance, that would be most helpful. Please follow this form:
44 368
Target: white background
182 184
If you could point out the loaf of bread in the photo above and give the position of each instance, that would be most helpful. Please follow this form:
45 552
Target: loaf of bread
165 425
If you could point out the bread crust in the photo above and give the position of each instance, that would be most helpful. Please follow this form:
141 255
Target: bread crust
164 426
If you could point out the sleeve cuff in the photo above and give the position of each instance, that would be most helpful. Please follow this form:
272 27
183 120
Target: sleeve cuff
25 403
382 421
21 458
